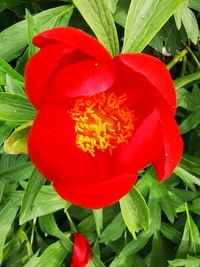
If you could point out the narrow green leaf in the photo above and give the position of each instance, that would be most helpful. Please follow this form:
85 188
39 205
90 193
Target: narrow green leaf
132 247
144 20
11 47
46 202
95 262
158 259
32 31
35 183
17 141
7 216
186 16
135 212
189 262
53 256
5 130
15 108
6 68
191 122
98 216
99 18
183 81
14 86
194 4
114 230
171 233
187 177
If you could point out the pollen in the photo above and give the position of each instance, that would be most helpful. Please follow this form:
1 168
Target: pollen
102 122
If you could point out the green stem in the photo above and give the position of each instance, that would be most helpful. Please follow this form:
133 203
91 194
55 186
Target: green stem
192 54
177 58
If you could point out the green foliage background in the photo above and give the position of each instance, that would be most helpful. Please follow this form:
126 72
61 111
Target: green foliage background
156 224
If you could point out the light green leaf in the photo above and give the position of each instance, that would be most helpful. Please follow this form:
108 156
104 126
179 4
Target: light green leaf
17 141
135 211
186 16
7 69
7 216
53 256
11 47
144 20
99 18
32 31
14 86
187 177
98 216
95 262
15 108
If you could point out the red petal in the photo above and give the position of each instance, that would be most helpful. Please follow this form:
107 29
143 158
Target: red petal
80 79
51 146
172 148
97 194
153 70
74 38
145 144
39 69
82 252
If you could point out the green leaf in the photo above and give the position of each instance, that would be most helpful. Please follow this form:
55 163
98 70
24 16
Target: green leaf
15 108
5 130
191 122
185 80
114 230
187 177
14 86
194 4
132 247
53 256
46 202
49 226
32 31
187 17
4 4
17 141
15 168
35 183
144 20
171 233
7 216
135 211
99 18
98 216
189 262
11 47
157 259
7 69
95 262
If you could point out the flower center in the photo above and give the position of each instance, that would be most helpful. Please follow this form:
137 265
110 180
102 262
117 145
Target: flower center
103 122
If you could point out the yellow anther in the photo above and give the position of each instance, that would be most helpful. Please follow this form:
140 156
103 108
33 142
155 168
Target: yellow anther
102 122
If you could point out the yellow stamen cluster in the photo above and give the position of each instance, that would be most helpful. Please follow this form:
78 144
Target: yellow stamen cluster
103 121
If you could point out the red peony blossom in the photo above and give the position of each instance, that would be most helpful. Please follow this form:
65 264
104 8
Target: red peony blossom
81 252
100 119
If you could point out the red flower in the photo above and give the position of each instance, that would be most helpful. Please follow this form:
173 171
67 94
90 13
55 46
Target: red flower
100 119
82 252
